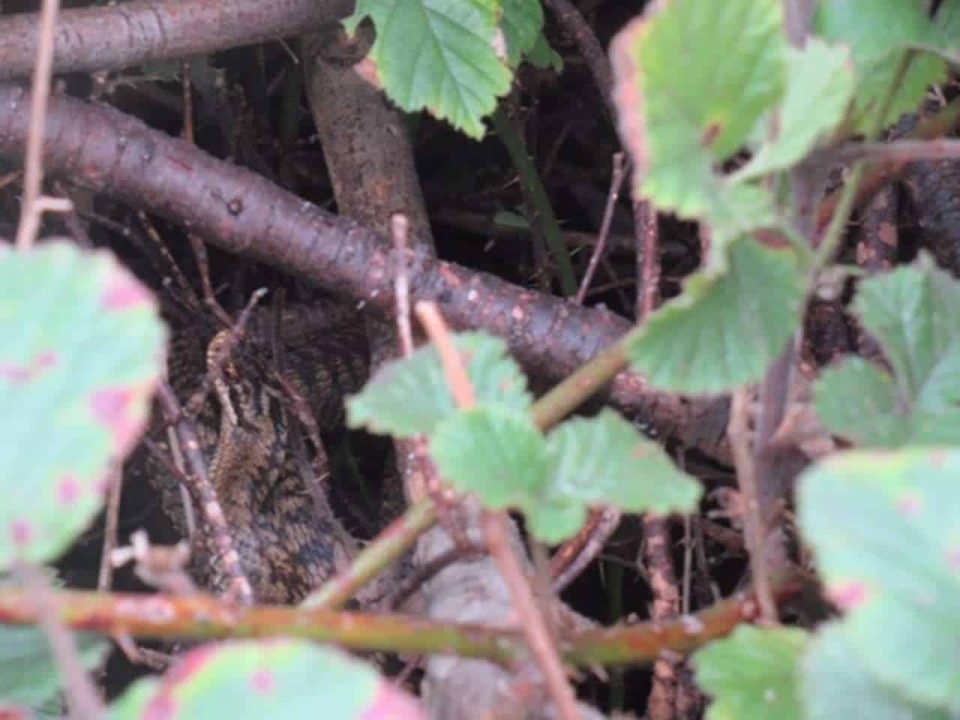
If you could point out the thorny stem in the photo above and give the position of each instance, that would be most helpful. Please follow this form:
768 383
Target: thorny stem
738 433
205 616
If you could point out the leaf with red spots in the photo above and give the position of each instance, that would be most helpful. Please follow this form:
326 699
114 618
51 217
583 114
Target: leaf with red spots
81 353
836 684
262 679
886 531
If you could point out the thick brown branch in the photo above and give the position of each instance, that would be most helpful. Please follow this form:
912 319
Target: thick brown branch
244 213
117 36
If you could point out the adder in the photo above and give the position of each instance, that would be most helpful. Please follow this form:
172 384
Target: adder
267 477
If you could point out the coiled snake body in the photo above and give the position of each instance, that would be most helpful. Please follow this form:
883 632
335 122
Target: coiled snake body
268 482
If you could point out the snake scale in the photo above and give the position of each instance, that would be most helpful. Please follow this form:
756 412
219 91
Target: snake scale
267 476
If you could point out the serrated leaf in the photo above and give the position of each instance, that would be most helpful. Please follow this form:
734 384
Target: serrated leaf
819 89
521 22
438 55
82 351
28 674
752 674
604 460
912 313
733 59
893 563
836 684
268 678
858 401
494 452
723 331
411 397
877 32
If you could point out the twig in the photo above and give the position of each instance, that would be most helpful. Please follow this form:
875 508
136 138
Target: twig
848 195
581 550
613 195
398 537
83 702
590 49
667 672
648 265
112 512
206 497
31 208
899 151
399 227
453 367
753 522
423 574
531 619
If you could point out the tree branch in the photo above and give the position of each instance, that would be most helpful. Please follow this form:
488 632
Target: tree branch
243 213
118 36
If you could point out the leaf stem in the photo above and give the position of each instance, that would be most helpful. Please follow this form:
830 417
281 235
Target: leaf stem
517 150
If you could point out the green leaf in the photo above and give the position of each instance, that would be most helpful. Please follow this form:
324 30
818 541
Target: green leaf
82 351
733 58
872 28
268 678
494 452
858 401
912 314
835 684
723 331
819 89
877 32
521 23
500 455
543 56
28 674
438 55
411 397
893 562
752 674
604 460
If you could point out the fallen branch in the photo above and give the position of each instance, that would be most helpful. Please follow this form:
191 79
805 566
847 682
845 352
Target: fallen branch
117 36
243 213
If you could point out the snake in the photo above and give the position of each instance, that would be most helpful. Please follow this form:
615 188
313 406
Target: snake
267 475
